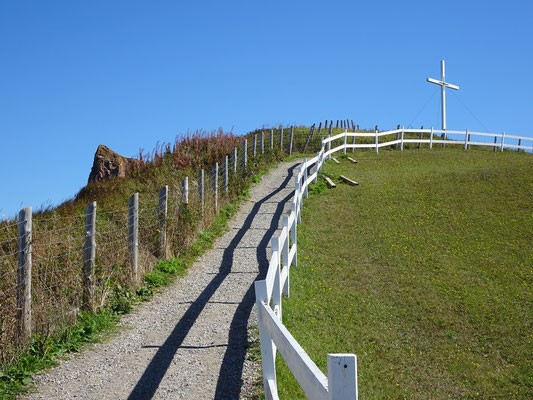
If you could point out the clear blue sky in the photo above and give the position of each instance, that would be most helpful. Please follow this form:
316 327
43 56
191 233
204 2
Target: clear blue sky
75 74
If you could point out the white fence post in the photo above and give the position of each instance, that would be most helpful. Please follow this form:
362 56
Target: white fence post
276 289
376 140
329 145
317 165
421 136
225 175
466 139
162 222
268 351
89 256
133 235
201 189
342 376
285 252
401 139
431 138
245 153
503 137
294 235
495 141
24 274
305 179
345 142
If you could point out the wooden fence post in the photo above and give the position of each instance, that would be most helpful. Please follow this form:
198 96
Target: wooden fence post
342 376
262 142
89 255
245 154
291 137
271 139
225 175
420 138
24 274
305 179
401 139
281 139
495 141
215 185
294 236
162 222
376 140
431 138
185 190
133 235
234 161
201 189
254 145
268 351
319 127
503 137
337 126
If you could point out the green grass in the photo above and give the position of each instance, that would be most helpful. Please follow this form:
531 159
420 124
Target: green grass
424 271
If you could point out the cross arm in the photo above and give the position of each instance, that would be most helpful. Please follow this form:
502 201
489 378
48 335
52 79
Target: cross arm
436 82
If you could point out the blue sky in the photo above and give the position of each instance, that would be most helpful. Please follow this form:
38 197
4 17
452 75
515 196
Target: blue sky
127 74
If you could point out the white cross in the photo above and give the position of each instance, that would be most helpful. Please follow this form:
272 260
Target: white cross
443 84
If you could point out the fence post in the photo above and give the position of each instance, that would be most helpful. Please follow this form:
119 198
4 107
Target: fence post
305 179
215 185
342 376
268 351
89 255
503 137
376 140
401 138
162 222
294 236
271 139
420 138
133 234
291 137
443 137
353 137
201 189
245 154
281 139
234 161
225 175
396 138
495 141
466 139
317 164
24 274
337 126
329 146
319 127
185 190
276 289
345 142
262 142
431 138
254 145
519 145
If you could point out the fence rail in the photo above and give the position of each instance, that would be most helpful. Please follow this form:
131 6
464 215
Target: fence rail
341 382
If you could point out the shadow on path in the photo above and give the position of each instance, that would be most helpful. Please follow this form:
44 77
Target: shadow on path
229 382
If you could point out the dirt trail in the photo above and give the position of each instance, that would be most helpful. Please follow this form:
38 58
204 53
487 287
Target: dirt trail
189 342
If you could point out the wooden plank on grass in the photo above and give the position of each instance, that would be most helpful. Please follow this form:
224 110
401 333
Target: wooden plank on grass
348 180
352 160
334 159
329 182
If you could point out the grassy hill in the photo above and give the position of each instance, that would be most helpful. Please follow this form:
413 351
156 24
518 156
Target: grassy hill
424 271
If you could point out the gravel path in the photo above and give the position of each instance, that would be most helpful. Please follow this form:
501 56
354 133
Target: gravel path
190 341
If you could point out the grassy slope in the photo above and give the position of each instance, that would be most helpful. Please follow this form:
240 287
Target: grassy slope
424 271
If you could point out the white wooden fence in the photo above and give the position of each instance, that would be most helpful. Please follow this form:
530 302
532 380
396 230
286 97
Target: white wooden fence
341 382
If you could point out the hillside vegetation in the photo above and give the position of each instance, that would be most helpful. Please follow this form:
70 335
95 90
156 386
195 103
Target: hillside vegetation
424 271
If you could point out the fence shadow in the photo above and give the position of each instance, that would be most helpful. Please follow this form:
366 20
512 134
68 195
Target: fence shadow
230 377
